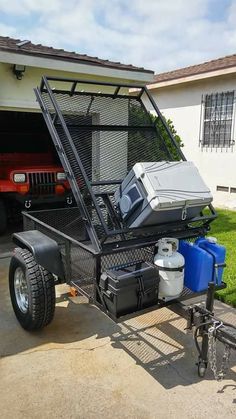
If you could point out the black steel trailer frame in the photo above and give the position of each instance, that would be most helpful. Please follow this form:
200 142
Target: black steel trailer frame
91 237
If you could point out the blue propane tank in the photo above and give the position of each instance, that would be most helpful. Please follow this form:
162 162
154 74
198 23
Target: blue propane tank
218 253
198 266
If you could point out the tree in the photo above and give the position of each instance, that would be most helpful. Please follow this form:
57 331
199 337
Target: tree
166 136
152 143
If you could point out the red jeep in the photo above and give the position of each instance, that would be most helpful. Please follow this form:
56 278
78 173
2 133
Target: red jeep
30 174
27 180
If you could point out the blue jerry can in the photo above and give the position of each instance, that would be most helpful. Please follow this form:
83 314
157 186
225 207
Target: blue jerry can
198 266
218 254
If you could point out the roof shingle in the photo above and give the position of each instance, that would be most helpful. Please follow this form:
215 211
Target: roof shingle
218 64
28 48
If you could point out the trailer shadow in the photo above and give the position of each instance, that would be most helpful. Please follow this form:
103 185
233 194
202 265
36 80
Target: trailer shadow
156 341
164 349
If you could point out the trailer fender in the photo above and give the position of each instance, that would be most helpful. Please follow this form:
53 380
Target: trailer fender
44 249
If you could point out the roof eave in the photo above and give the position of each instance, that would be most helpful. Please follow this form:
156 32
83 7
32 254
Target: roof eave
75 66
193 77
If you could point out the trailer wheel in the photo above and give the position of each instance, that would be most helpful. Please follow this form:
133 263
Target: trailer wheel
3 217
32 291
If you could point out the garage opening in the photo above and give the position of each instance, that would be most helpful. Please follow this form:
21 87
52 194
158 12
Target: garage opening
25 132
30 172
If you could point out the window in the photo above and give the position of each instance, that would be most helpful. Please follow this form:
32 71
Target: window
218 120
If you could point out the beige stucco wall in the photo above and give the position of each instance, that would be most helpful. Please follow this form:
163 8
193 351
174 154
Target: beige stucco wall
19 93
182 104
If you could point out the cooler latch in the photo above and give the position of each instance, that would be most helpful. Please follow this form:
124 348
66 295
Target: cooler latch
184 213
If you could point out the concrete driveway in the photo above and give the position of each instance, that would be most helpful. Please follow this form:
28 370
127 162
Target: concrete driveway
6 244
85 366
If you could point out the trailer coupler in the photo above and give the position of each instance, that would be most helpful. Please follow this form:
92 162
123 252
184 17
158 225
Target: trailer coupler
207 331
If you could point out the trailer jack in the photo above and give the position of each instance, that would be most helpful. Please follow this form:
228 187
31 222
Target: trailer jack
207 331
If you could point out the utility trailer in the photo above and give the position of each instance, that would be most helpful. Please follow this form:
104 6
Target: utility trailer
100 132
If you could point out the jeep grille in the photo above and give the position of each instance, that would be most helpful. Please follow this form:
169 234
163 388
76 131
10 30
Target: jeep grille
42 183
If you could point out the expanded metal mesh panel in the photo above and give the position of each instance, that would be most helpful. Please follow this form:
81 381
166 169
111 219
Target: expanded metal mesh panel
122 258
82 263
80 269
69 221
64 220
109 153
100 137
105 109
30 224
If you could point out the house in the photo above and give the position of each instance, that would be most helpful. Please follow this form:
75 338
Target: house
200 100
31 61
25 142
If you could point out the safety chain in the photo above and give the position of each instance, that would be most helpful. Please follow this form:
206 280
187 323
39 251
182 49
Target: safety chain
219 375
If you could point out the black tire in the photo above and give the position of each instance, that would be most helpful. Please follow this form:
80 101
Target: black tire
36 310
3 218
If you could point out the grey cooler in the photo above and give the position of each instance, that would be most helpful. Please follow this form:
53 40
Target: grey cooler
160 192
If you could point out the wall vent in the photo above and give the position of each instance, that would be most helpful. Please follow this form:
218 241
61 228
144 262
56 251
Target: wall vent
222 188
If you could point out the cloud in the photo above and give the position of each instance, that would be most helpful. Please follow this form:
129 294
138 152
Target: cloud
8 30
157 34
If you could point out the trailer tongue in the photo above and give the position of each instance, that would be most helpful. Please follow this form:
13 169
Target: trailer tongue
133 188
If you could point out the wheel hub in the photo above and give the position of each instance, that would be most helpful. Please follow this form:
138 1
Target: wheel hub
21 290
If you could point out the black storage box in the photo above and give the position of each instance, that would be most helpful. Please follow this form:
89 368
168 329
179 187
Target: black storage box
130 287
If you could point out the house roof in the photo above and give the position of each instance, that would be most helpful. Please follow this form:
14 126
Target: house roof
208 66
28 48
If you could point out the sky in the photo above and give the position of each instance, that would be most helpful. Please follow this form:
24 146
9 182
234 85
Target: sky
160 35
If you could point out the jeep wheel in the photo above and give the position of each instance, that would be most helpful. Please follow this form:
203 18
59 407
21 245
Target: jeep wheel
32 291
3 218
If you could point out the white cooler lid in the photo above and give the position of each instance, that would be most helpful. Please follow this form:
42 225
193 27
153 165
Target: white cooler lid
178 183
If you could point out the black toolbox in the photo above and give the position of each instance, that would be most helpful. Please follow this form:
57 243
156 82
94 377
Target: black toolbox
130 287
